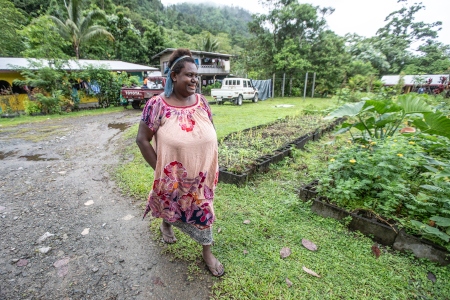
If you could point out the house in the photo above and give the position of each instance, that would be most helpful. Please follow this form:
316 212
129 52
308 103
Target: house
10 70
212 66
411 83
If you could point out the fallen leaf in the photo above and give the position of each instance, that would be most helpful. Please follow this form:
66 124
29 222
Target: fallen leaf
44 237
432 277
219 230
285 252
85 231
288 282
22 262
309 245
311 272
245 252
128 217
376 251
90 202
246 222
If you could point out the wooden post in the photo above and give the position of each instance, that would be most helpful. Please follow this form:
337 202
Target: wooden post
290 87
313 86
273 86
306 82
282 87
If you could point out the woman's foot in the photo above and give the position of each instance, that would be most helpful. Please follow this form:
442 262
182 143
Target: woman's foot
167 233
213 264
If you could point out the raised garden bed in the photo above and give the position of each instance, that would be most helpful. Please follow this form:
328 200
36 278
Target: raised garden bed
252 150
382 231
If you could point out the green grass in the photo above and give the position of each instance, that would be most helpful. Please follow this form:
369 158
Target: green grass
280 219
8 122
230 118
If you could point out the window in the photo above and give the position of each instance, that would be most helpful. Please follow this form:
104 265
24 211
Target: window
245 83
238 82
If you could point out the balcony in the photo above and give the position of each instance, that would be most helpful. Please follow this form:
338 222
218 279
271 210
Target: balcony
212 70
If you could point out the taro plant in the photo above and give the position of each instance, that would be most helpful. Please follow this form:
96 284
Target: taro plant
378 119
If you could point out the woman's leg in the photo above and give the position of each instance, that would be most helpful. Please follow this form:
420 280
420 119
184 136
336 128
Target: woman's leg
212 262
167 233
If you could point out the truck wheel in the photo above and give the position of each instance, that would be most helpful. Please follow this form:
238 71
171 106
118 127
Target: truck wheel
239 100
136 104
255 98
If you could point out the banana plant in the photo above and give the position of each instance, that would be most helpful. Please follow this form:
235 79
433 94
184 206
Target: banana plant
378 119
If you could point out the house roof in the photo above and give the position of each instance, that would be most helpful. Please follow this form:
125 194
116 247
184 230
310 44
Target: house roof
411 80
169 50
14 63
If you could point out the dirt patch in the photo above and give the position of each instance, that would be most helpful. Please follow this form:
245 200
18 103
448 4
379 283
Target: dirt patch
67 231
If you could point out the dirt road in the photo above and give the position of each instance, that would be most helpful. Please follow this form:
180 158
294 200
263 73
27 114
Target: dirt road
67 231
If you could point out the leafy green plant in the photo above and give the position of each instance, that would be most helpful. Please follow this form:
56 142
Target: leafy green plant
378 119
31 107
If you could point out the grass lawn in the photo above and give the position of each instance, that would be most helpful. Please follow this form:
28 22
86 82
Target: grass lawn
278 218
8 122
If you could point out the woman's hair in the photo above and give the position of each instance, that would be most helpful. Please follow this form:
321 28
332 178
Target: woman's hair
180 64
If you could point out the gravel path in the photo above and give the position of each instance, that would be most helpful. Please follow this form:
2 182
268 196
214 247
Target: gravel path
67 232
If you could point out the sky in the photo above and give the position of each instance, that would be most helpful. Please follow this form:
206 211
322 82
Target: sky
363 17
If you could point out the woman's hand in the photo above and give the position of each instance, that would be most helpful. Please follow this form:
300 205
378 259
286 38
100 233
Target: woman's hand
143 139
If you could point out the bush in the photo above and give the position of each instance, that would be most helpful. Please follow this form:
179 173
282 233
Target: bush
32 107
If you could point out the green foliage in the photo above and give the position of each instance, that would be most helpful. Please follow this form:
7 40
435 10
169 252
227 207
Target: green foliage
11 21
206 90
42 40
32 107
49 104
382 118
79 27
108 83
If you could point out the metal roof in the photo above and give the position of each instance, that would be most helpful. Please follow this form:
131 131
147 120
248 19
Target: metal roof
14 63
193 52
409 79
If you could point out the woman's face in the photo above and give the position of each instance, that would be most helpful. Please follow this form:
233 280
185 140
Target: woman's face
186 81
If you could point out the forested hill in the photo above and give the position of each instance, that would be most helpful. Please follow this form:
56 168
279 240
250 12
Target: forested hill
195 18
188 17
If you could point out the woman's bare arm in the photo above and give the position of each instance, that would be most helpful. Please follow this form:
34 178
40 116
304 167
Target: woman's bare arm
143 139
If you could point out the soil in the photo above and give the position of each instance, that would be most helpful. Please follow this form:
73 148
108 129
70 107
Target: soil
67 231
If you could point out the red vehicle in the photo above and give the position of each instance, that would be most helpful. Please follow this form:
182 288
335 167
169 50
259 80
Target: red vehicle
136 96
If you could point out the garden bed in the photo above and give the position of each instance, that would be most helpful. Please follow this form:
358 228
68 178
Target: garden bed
252 150
382 231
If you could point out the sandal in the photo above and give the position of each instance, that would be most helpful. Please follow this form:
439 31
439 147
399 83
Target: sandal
216 269
167 238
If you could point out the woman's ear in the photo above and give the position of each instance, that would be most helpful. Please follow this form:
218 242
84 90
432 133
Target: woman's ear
173 75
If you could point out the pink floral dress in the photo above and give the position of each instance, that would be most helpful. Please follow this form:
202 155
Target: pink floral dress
187 167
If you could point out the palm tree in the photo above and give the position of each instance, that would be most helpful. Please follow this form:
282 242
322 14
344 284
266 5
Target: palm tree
208 44
78 28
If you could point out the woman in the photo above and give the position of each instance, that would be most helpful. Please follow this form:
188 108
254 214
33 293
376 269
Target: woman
183 155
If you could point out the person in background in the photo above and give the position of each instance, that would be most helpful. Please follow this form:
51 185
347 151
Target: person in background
145 81
184 156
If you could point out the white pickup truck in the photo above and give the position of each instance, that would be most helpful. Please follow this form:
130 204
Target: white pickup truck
235 90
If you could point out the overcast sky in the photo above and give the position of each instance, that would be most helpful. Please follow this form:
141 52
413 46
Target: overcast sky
363 17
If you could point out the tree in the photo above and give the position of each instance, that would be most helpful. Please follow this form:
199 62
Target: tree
42 40
433 58
11 20
78 28
397 36
207 43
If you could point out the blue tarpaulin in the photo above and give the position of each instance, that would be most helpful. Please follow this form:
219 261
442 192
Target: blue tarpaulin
264 88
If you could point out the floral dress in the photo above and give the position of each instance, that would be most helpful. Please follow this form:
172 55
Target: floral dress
187 167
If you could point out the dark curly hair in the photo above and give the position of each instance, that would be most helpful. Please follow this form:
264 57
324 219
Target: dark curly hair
180 65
